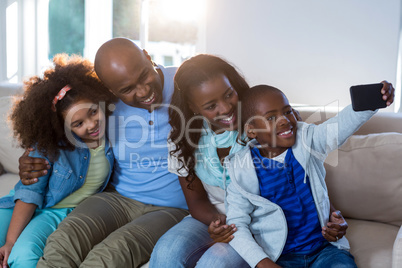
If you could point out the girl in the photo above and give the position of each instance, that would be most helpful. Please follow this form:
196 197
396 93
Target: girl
60 116
204 132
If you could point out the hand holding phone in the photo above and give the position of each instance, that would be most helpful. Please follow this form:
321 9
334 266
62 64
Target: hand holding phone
367 97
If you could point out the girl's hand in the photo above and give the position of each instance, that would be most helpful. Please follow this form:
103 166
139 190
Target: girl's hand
336 227
4 254
388 92
219 231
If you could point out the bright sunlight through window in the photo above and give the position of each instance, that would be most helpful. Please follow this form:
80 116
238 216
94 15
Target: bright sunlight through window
182 10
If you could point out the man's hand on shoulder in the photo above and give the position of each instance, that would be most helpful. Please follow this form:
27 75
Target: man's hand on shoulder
31 168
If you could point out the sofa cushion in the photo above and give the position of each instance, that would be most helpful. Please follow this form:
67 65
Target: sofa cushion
364 177
397 252
371 242
9 150
381 122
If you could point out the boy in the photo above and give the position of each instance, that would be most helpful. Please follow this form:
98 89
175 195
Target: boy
278 198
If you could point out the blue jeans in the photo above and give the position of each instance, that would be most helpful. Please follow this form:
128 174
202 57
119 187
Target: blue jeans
29 246
187 244
327 256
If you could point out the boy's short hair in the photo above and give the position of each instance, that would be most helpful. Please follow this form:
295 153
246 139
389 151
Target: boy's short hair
248 102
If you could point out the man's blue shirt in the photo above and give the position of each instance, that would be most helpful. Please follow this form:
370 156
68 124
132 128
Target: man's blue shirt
139 139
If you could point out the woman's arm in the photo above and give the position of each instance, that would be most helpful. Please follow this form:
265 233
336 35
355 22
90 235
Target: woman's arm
202 209
336 227
198 203
22 214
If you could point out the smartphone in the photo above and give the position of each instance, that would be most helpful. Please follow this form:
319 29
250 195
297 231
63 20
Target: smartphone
367 97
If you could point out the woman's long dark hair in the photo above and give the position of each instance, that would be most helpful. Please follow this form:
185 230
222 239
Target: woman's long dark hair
190 75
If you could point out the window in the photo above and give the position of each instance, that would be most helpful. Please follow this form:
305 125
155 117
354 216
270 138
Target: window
66 27
37 30
168 60
9 48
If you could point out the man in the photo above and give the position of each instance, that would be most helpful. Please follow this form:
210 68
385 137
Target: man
119 227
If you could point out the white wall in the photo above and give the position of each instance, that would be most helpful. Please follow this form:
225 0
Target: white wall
313 50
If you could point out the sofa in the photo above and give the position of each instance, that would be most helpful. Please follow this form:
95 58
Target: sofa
364 179
9 151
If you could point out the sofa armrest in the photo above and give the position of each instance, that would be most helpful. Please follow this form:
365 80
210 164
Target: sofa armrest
397 251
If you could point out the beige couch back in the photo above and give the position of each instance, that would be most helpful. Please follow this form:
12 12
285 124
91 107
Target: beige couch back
364 177
9 151
379 123
366 183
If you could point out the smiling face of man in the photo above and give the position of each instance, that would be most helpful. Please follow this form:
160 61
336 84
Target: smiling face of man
129 74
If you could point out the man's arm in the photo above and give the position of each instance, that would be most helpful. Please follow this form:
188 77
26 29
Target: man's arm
31 168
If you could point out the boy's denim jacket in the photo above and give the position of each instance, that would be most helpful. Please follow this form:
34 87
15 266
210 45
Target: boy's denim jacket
261 225
66 175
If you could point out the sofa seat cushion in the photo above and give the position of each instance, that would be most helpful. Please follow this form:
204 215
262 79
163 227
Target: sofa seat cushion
397 254
9 150
371 243
7 182
364 178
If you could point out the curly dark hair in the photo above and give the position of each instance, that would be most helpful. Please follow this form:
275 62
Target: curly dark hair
34 121
190 75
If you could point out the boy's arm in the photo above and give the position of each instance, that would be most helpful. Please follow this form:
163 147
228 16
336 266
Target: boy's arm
331 134
238 211
22 214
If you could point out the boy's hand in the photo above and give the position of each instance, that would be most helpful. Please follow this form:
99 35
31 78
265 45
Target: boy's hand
4 254
31 168
336 227
219 231
388 92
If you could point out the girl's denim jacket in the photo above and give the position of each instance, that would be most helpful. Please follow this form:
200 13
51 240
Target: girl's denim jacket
66 175
261 224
